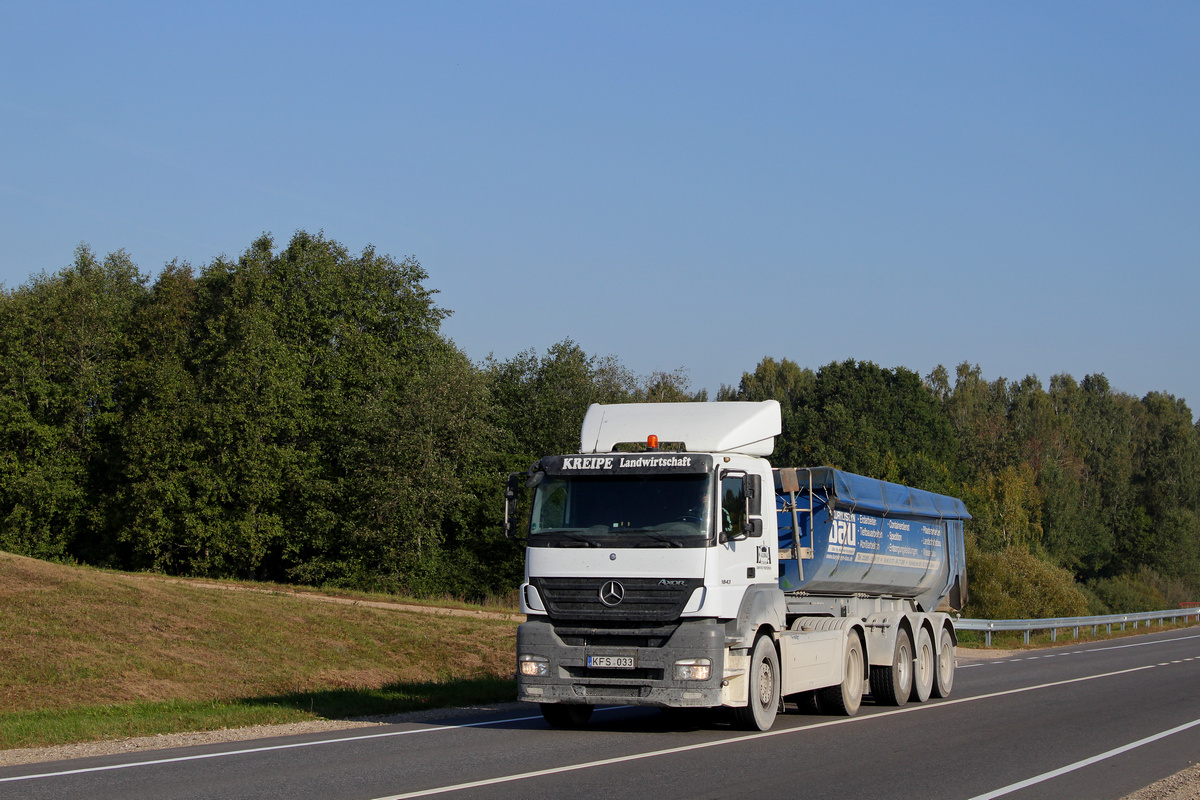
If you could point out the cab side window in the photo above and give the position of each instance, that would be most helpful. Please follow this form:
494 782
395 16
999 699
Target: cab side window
733 504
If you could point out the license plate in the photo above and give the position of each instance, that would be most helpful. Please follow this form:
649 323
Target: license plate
612 662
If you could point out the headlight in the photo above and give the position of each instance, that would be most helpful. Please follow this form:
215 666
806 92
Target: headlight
533 666
693 669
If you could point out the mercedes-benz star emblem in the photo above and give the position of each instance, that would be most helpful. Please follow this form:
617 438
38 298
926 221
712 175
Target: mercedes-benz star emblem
612 593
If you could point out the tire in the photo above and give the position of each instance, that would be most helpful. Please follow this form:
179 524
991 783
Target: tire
924 666
806 702
763 702
891 685
561 715
845 698
944 681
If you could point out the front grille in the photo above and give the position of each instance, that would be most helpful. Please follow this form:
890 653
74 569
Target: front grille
646 674
644 600
599 635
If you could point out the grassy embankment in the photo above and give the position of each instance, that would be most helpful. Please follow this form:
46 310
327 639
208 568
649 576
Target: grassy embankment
87 654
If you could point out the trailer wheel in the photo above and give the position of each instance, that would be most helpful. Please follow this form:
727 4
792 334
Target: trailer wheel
891 685
945 665
561 715
845 698
763 703
923 667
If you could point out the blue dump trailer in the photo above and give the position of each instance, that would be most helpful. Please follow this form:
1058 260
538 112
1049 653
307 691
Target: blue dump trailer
845 534
669 564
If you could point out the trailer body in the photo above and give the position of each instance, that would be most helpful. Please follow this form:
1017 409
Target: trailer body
859 535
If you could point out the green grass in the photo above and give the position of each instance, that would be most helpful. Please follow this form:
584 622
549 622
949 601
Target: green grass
507 604
93 723
89 654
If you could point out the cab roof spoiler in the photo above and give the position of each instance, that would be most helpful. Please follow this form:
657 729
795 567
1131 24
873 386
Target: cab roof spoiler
748 428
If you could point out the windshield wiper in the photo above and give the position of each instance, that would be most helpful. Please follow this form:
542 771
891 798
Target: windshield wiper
574 537
658 537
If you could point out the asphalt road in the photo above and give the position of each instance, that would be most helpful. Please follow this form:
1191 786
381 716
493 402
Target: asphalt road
1092 722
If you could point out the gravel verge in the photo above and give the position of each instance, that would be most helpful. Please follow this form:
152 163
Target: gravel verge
1183 785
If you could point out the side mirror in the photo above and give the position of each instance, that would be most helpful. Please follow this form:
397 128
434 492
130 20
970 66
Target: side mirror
511 489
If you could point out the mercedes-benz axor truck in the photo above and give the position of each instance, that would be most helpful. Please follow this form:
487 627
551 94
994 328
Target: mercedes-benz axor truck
669 564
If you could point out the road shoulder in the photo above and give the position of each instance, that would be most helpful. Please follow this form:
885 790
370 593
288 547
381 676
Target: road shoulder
37 755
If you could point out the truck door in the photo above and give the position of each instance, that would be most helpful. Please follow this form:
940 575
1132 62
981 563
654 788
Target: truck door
747 557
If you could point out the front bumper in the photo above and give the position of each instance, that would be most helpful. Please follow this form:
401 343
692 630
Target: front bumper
566 647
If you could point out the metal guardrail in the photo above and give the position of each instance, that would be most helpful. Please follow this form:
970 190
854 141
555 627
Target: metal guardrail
1056 624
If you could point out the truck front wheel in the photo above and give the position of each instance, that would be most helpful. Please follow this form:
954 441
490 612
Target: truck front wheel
763 703
566 716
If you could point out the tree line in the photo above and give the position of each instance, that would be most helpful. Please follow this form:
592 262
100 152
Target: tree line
1085 499
297 415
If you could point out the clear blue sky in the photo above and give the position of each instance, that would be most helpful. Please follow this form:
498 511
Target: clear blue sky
677 184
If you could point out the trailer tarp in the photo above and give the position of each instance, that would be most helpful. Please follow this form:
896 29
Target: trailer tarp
859 493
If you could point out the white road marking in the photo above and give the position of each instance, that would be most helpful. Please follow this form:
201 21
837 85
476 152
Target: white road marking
1116 751
739 739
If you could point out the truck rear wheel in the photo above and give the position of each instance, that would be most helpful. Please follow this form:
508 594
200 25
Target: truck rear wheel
845 698
891 685
763 702
923 667
561 715
944 681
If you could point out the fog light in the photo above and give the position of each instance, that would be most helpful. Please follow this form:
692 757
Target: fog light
533 666
693 669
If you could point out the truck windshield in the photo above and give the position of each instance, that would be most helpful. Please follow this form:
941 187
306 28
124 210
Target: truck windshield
626 511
